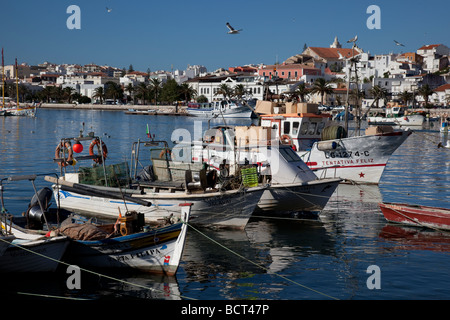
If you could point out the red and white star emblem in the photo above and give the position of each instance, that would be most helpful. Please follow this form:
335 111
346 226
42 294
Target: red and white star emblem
361 175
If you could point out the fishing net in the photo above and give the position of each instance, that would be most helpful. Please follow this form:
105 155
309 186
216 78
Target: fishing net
116 175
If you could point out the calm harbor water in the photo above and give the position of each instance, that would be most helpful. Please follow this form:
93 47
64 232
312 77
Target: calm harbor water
282 259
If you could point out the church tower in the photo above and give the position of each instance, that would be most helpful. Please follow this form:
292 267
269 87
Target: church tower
336 43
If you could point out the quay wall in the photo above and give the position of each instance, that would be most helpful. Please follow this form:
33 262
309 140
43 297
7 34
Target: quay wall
109 107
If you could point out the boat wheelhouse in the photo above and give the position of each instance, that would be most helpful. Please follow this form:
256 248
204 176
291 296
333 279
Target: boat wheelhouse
327 150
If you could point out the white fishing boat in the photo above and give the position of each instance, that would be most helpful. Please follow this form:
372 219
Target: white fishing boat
128 243
29 251
293 187
157 193
327 150
396 116
220 109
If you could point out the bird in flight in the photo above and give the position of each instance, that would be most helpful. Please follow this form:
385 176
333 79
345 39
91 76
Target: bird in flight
353 40
108 9
398 43
232 30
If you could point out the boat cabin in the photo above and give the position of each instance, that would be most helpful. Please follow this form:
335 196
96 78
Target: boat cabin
300 130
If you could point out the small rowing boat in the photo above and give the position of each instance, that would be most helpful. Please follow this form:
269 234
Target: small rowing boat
417 215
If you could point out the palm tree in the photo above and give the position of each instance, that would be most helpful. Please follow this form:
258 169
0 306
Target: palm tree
322 87
155 85
378 93
239 91
425 91
113 90
187 91
46 93
23 91
67 93
130 90
99 93
142 91
224 90
406 96
301 92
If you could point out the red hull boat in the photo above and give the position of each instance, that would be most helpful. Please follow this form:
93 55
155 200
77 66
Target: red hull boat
417 215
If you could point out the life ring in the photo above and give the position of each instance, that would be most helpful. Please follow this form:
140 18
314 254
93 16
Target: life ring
164 151
285 139
58 155
96 142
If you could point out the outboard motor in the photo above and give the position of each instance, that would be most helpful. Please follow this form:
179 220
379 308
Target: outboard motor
34 212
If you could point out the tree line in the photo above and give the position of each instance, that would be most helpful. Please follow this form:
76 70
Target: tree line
153 92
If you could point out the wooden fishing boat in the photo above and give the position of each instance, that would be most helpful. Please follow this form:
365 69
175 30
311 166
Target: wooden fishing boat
157 193
156 250
127 243
416 215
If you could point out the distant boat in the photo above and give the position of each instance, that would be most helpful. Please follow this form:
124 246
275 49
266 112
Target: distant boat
444 128
416 215
396 116
219 109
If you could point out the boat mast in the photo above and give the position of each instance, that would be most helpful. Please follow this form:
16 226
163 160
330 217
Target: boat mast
17 84
349 81
3 81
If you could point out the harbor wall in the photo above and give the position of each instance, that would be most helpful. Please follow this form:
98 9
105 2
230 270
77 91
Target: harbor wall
110 107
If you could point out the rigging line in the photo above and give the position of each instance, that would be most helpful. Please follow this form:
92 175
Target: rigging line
260 266
50 296
93 272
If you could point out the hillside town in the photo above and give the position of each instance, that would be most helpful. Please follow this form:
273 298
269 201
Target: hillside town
420 78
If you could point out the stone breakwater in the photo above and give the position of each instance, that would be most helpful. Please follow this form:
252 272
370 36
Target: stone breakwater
109 107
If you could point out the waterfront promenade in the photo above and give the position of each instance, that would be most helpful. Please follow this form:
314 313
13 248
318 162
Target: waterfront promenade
109 107
171 110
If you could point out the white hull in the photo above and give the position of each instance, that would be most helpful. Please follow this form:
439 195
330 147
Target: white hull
219 209
35 256
153 251
356 159
241 112
410 120
310 196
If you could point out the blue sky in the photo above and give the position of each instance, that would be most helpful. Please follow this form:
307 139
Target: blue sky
163 34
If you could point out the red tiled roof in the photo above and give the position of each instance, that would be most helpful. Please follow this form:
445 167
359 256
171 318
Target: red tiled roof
443 87
429 46
328 53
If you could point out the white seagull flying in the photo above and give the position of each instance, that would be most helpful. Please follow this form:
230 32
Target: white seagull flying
232 30
353 40
398 43
108 9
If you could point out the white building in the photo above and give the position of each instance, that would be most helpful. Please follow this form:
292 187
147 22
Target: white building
441 95
435 57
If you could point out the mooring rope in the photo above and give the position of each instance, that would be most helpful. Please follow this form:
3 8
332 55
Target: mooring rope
96 273
258 265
